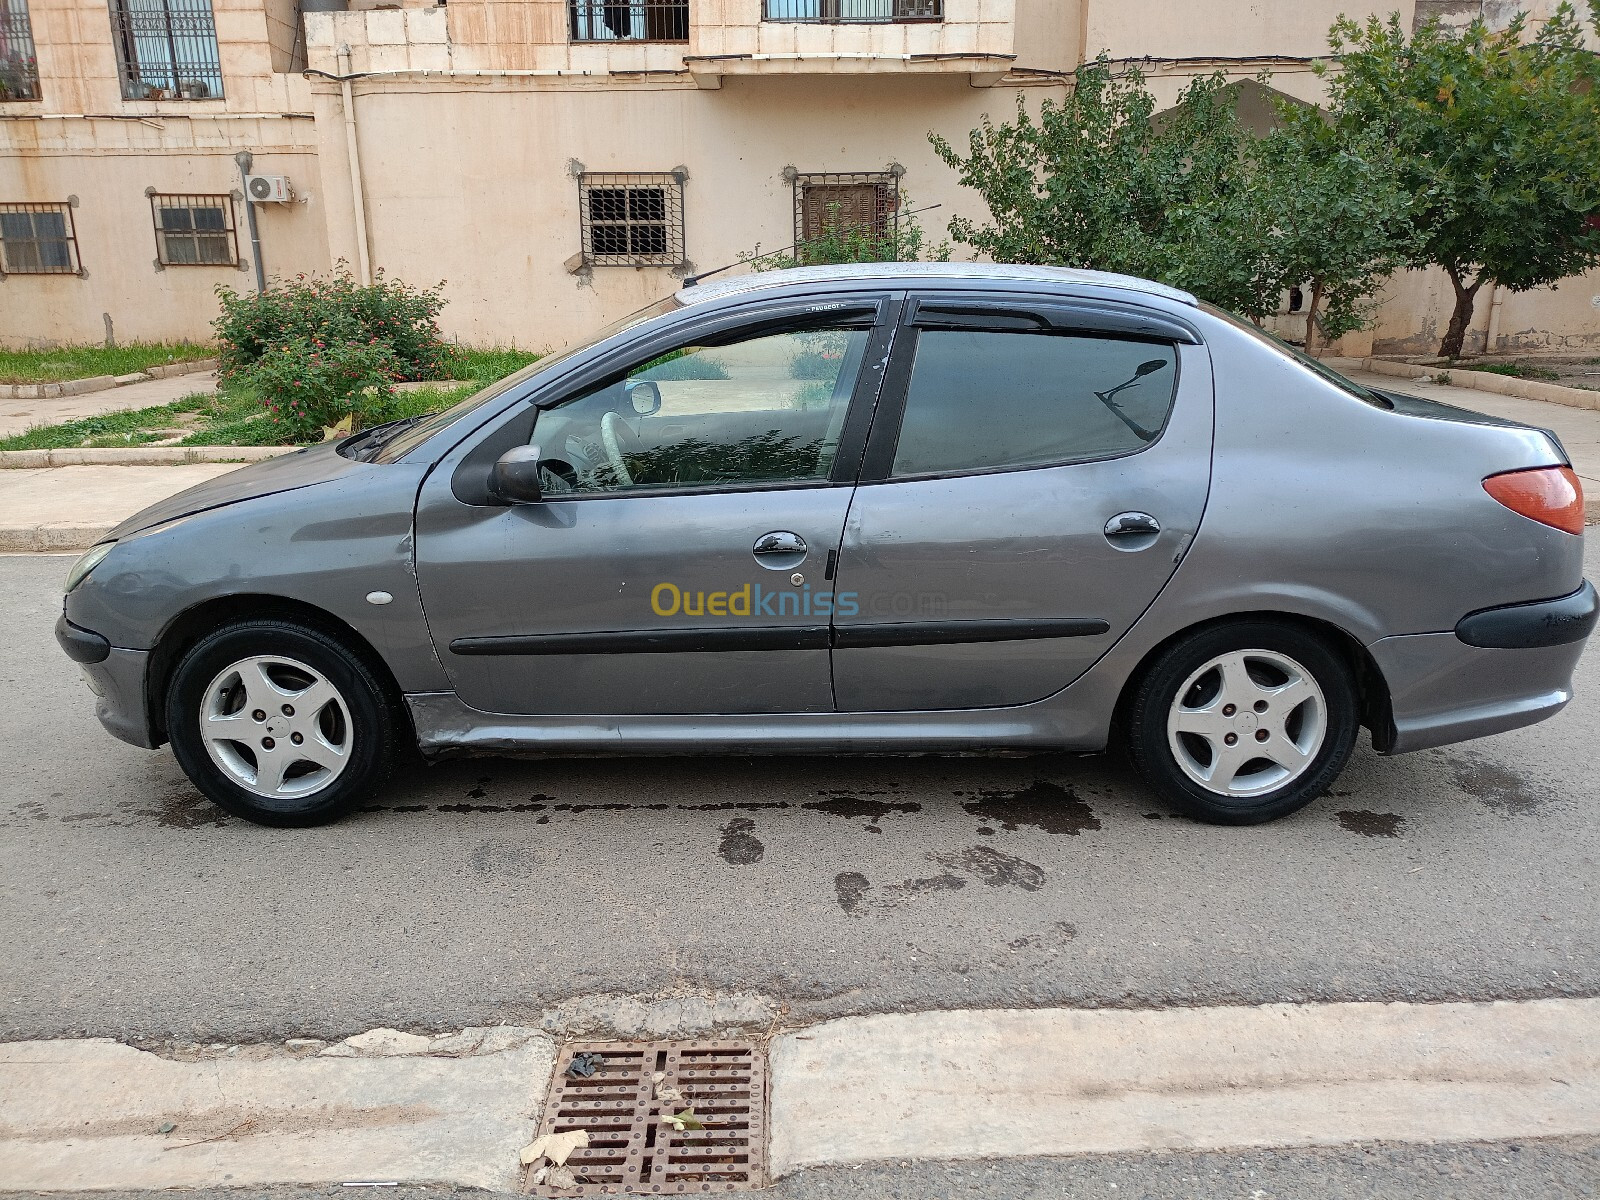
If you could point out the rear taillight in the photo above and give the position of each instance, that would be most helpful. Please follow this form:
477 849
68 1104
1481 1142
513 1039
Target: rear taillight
1550 495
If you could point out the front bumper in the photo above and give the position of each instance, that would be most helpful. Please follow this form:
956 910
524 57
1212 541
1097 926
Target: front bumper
117 679
1501 669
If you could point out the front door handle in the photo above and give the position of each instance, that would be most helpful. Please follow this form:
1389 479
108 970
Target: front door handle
779 550
1132 531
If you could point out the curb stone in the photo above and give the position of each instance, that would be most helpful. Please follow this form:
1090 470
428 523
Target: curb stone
101 383
1488 381
137 456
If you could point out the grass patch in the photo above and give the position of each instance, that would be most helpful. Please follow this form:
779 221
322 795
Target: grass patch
232 418
1515 370
485 366
237 417
81 362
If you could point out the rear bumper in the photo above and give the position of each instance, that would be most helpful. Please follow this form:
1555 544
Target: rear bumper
1557 622
1443 690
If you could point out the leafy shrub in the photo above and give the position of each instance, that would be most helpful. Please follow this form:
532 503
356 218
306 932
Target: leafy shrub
335 309
307 384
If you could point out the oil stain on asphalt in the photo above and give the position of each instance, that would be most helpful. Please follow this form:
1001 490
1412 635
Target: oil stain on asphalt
1047 806
1370 824
739 846
1492 784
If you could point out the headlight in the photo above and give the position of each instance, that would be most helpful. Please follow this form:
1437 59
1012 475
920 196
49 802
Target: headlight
81 568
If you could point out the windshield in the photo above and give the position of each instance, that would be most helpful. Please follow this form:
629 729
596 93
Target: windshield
1321 369
407 438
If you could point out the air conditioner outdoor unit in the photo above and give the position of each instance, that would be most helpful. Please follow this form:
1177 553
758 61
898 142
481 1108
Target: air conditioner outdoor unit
268 189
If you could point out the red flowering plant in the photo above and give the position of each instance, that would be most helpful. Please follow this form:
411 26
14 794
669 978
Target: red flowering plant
308 385
335 308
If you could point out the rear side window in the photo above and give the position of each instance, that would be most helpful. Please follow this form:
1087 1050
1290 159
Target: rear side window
983 401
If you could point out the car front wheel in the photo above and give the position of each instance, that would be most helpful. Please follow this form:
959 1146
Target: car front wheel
279 723
1244 723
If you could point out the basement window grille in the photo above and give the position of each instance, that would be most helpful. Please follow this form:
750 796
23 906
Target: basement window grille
635 21
194 231
631 220
167 49
38 239
848 12
19 63
833 203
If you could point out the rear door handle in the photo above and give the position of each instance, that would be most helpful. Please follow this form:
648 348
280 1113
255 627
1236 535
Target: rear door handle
1132 526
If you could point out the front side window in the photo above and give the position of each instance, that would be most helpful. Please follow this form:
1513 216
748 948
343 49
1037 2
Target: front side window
194 231
632 220
19 65
167 49
983 401
38 239
766 410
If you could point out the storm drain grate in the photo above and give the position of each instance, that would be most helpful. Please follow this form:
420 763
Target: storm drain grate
633 1149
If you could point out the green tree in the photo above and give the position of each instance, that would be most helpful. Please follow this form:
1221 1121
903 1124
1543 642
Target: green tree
1096 181
1495 135
844 241
1334 216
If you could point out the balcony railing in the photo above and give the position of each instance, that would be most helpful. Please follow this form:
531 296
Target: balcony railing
19 68
852 11
632 21
167 49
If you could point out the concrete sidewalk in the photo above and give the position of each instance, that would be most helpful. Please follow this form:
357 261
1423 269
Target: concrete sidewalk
19 416
995 1084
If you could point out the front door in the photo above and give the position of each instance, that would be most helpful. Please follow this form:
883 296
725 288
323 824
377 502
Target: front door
680 560
1050 466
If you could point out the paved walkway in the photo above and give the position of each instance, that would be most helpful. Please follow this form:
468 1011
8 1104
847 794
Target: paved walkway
19 416
71 508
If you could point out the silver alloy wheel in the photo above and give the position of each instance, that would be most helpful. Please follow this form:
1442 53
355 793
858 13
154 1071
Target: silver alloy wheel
276 727
1247 723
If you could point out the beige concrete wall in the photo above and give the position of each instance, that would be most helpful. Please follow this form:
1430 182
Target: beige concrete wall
116 236
82 139
478 192
1564 319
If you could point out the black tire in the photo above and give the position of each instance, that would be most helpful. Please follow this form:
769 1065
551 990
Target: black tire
371 733
1157 692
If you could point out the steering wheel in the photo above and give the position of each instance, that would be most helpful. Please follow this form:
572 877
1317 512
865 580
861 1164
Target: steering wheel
608 438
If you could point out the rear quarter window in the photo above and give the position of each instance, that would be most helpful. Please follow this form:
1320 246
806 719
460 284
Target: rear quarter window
986 401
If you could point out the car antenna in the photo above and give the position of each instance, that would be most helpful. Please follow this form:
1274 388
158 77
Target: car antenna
700 277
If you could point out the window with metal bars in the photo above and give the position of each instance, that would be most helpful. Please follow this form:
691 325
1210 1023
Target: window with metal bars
631 220
852 11
834 204
635 21
19 64
38 239
194 231
167 49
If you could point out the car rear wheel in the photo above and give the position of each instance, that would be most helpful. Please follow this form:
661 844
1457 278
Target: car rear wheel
279 723
1244 723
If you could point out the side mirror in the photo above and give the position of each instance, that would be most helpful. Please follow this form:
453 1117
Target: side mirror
1149 368
645 397
515 478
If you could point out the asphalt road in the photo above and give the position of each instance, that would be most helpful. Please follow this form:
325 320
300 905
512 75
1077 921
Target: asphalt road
497 890
1554 1169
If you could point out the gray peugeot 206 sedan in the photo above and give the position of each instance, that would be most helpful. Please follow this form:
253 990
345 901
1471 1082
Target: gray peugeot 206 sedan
897 508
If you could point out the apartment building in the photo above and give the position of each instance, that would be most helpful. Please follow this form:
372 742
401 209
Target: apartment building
557 163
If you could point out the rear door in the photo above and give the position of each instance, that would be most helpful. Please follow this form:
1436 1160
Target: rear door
1035 470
